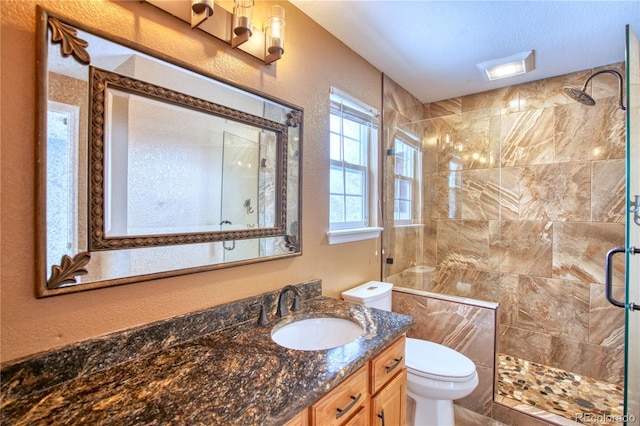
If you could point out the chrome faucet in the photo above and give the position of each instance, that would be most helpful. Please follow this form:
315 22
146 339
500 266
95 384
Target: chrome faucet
283 311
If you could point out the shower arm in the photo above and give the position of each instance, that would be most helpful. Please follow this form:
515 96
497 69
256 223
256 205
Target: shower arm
618 75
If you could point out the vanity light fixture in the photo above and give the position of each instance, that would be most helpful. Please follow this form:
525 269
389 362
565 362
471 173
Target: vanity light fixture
519 63
233 27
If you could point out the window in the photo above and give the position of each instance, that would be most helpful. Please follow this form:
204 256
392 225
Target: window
353 164
407 173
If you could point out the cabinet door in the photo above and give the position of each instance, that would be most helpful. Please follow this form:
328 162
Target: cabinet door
389 406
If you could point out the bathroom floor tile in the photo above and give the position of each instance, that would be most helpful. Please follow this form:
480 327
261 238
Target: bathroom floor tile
578 398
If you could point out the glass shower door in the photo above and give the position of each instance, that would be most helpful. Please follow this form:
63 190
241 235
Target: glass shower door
632 354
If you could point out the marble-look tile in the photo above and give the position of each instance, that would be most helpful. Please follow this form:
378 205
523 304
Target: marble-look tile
604 87
509 208
429 150
508 299
525 247
511 416
579 251
496 101
414 306
473 144
463 244
549 92
555 192
442 108
468 283
606 322
465 328
429 243
608 187
481 399
397 98
466 417
534 345
527 138
405 252
559 307
600 362
585 133
444 194
481 194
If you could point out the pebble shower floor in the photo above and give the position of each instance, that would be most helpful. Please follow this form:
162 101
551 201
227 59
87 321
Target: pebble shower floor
559 392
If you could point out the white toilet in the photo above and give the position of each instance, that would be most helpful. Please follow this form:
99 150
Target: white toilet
436 374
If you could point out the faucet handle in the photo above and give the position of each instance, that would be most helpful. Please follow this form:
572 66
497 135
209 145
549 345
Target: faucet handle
262 319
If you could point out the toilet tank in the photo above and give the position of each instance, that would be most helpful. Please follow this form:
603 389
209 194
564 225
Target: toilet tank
374 294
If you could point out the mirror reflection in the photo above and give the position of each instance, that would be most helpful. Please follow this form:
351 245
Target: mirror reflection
153 170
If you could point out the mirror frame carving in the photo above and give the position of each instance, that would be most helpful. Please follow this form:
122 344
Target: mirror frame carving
100 80
62 279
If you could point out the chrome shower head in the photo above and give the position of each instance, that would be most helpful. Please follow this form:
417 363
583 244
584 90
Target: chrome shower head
581 95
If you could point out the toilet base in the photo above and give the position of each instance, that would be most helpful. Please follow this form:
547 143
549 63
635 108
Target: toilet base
432 412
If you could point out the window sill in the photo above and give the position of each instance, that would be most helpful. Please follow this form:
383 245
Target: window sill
339 236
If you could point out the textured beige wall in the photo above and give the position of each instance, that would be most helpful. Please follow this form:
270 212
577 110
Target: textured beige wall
313 61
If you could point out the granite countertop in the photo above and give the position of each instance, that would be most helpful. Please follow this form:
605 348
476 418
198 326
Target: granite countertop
236 375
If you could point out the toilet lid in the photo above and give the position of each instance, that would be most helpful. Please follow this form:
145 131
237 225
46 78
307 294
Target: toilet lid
435 361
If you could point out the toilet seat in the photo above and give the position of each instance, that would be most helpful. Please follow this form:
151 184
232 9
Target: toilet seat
434 361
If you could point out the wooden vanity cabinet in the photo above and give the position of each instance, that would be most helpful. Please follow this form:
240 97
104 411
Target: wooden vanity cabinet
388 386
374 395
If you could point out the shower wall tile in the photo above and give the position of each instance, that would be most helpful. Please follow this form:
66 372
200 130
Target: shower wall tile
589 133
463 244
549 92
481 194
415 306
481 399
508 299
396 98
496 101
442 108
599 362
524 247
469 283
531 345
579 251
606 322
510 193
555 192
472 144
608 187
605 86
444 192
465 328
559 307
527 138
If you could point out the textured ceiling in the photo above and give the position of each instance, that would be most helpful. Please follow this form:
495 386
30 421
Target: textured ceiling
431 48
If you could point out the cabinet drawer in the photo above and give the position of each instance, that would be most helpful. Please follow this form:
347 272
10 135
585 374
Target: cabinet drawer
387 364
336 407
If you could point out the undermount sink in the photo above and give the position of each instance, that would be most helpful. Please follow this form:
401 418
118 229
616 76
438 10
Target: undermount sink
314 334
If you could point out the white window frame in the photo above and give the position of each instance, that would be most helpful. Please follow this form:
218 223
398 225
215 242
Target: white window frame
342 232
415 180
